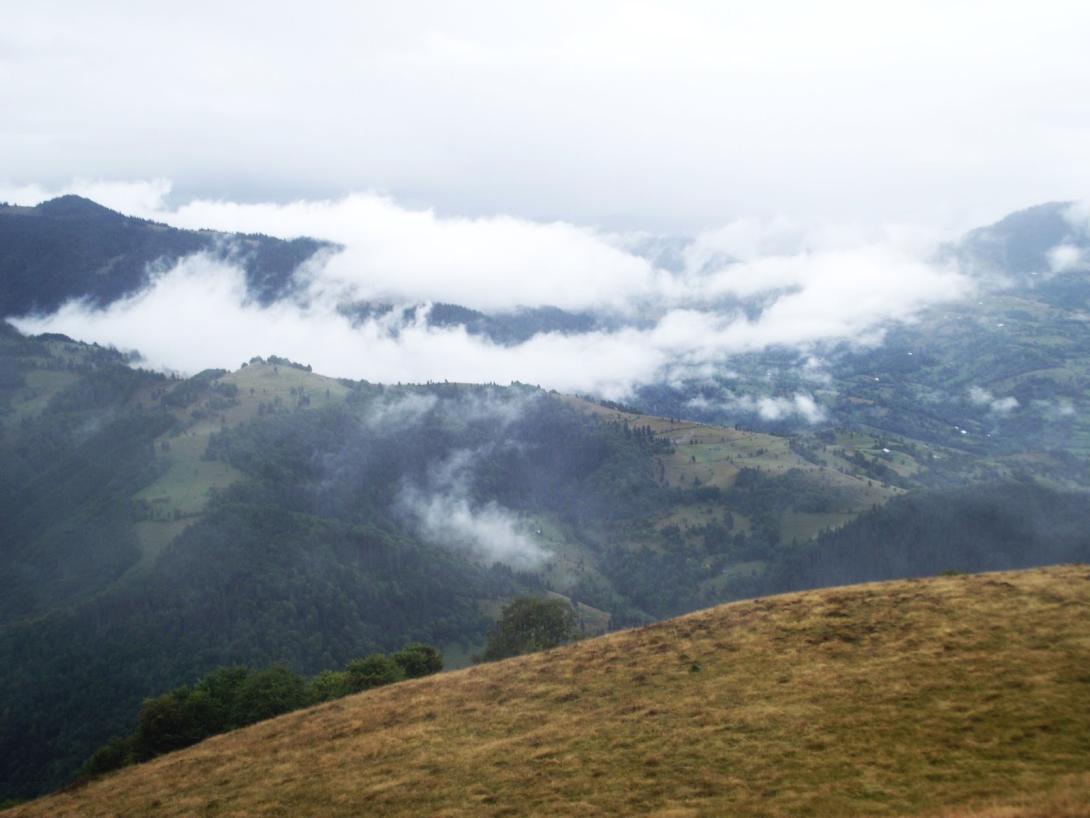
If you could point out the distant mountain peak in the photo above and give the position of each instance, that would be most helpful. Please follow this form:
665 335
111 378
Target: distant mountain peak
73 205
71 247
1019 244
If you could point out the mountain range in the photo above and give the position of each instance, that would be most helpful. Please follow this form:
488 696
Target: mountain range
154 527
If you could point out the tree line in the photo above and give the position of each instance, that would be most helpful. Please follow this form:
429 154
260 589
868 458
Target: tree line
232 697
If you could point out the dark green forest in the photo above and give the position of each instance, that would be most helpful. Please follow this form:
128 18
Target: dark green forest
321 550
306 562
987 527
70 248
232 697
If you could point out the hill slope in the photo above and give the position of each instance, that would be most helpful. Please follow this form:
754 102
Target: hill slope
996 380
905 698
152 528
71 248
998 377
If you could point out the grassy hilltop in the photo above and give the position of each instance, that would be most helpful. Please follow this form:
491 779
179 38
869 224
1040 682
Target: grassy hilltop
960 695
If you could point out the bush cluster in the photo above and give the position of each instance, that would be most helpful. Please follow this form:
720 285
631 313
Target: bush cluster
233 697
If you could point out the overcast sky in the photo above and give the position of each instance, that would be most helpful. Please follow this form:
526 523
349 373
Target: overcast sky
506 154
672 116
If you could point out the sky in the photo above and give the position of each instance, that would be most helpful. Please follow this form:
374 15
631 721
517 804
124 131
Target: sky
500 155
657 116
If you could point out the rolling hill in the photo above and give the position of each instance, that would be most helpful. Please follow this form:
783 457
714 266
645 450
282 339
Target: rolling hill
998 376
956 696
155 528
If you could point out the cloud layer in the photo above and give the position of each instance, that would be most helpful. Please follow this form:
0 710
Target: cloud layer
739 288
654 115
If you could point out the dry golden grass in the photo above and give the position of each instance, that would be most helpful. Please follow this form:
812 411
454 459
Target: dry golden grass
965 697
1069 799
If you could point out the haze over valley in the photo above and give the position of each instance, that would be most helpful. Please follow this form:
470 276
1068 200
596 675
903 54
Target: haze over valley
344 346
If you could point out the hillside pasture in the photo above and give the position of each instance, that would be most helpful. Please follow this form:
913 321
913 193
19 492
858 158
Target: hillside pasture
957 696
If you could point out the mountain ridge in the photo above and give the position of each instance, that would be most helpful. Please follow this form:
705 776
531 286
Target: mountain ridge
154 527
71 248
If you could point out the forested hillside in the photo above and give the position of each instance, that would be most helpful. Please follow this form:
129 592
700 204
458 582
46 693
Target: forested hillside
473 410
71 248
155 528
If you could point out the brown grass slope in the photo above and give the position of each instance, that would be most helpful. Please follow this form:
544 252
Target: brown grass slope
960 696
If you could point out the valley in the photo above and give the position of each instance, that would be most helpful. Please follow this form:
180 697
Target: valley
159 526
483 410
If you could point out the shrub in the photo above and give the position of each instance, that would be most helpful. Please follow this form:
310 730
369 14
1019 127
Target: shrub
373 671
268 693
113 755
328 685
417 660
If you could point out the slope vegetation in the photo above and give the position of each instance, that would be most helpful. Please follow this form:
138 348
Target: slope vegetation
959 696
71 248
154 528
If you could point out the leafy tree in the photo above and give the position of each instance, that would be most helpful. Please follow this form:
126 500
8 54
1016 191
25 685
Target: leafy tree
417 660
530 624
113 755
216 694
233 697
268 693
373 671
163 726
328 685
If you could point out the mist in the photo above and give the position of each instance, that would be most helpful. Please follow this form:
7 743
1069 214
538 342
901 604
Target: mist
979 396
657 116
437 495
800 405
739 288
443 513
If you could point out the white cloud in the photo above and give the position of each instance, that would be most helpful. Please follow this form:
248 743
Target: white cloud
811 290
980 396
444 514
138 198
404 254
651 115
405 410
1056 409
196 316
767 407
1064 257
488 531
1078 216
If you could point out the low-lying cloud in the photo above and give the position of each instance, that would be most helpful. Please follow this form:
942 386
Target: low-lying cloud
1064 257
768 407
979 396
489 531
442 512
1072 253
740 288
